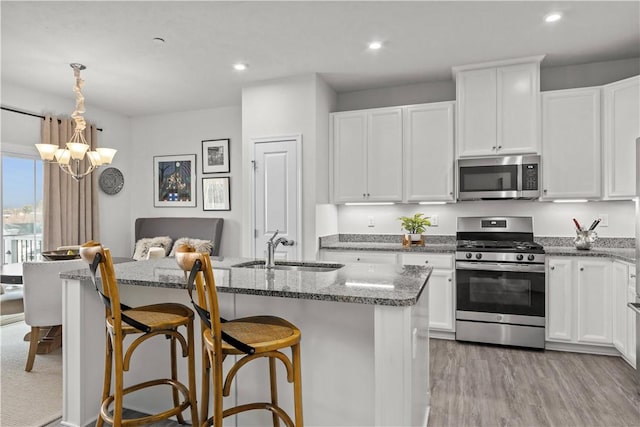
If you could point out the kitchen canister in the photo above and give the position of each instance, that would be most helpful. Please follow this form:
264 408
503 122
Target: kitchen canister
584 239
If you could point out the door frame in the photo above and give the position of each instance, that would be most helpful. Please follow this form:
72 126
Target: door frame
297 138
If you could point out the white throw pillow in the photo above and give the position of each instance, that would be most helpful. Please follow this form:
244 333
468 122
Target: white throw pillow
205 246
143 245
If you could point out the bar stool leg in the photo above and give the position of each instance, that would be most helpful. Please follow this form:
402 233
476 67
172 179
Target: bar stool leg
108 361
193 398
119 383
274 389
206 372
174 376
297 384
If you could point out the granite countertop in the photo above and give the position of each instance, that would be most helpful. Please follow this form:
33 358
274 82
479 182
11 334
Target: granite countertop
377 284
615 248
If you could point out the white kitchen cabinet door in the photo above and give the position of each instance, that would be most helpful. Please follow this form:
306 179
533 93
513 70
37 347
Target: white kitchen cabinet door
384 155
630 354
441 301
620 281
560 297
518 88
350 257
571 144
476 96
498 108
349 156
441 288
429 152
594 306
621 128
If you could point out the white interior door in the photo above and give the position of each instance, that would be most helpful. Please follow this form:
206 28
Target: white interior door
276 195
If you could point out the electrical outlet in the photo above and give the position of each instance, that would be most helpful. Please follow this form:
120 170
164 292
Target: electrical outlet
605 220
434 220
372 222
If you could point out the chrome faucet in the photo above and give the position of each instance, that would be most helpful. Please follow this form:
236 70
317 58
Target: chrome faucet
271 248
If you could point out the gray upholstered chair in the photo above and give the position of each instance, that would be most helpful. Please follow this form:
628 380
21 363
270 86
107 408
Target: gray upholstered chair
43 299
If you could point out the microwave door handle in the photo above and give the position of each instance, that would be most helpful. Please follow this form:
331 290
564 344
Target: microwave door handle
491 266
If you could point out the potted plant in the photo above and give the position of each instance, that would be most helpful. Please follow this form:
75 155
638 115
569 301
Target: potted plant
415 226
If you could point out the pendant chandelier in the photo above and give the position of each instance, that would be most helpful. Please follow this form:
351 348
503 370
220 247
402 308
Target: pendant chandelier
70 158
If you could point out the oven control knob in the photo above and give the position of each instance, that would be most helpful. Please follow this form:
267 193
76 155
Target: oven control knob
478 256
519 257
531 257
468 255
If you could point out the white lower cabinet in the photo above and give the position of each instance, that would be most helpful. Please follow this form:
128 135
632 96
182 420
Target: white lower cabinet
624 322
441 289
579 303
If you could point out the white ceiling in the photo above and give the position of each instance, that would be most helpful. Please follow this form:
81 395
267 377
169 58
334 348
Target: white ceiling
128 73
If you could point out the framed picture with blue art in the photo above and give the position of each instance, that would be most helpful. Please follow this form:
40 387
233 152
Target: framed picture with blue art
174 181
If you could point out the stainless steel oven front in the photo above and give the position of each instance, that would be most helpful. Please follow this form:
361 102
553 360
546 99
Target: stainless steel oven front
500 303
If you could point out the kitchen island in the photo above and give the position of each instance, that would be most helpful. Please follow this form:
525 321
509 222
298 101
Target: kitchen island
365 349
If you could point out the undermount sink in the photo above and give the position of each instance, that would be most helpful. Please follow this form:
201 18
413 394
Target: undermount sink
315 267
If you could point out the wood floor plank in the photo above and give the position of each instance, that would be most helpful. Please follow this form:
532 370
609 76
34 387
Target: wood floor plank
483 385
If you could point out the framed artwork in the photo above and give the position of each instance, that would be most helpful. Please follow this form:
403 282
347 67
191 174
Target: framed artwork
215 194
215 156
174 181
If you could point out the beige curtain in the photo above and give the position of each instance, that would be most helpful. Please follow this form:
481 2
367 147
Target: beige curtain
70 206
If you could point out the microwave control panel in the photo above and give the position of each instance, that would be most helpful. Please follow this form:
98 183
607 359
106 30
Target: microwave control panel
529 177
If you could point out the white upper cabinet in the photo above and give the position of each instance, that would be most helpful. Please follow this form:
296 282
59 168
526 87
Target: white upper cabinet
571 144
367 155
621 128
497 108
429 152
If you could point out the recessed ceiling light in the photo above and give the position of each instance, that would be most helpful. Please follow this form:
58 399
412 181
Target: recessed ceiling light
240 66
553 17
375 45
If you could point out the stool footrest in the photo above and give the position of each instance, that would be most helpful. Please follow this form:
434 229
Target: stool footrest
104 410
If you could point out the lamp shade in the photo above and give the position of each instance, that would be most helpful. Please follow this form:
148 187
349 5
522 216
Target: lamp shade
47 151
77 149
106 154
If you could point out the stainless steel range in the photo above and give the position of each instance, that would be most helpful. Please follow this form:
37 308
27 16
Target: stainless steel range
500 282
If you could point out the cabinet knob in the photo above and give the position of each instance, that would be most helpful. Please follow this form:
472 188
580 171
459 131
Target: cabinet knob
368 194
499 147
544 191
357 259
553 267
449 279
426 262
451 193
581 268
493 148
364 195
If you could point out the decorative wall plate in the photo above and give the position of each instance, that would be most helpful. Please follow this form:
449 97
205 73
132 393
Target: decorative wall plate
111 181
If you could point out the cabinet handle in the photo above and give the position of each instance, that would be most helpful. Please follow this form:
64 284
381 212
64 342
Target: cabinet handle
633 276
553 267
451 193
581 268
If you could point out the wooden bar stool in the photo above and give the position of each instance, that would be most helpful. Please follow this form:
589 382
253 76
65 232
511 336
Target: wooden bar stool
147 321
256 337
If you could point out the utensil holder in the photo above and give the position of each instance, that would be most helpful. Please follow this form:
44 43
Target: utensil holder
584 239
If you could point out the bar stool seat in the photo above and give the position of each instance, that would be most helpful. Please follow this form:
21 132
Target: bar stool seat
249 338
143 323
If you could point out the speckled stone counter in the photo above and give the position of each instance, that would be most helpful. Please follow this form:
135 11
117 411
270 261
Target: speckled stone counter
622 254
394 285
386 242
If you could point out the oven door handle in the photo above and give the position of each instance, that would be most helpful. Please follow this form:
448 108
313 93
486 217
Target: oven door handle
493 266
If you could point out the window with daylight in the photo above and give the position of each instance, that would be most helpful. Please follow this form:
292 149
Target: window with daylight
22 219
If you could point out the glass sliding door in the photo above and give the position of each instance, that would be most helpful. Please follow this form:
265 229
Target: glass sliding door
22 203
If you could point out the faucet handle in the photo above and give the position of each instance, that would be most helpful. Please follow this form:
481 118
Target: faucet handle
288 242
274 236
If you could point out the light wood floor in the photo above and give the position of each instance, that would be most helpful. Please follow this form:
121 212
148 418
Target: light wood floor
478 385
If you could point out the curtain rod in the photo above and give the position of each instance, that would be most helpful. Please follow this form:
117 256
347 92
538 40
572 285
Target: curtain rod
26 113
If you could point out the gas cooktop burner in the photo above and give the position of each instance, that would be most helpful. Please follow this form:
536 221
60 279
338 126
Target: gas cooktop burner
499 246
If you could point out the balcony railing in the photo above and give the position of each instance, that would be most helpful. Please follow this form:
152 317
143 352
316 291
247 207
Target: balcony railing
21 248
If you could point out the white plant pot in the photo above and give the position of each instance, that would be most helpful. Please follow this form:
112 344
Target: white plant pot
415 237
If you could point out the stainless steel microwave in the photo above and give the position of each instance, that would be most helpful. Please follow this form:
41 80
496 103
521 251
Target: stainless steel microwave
504 177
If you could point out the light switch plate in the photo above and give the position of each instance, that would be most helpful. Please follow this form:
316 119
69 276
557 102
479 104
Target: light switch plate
372 222
605 220
434 220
